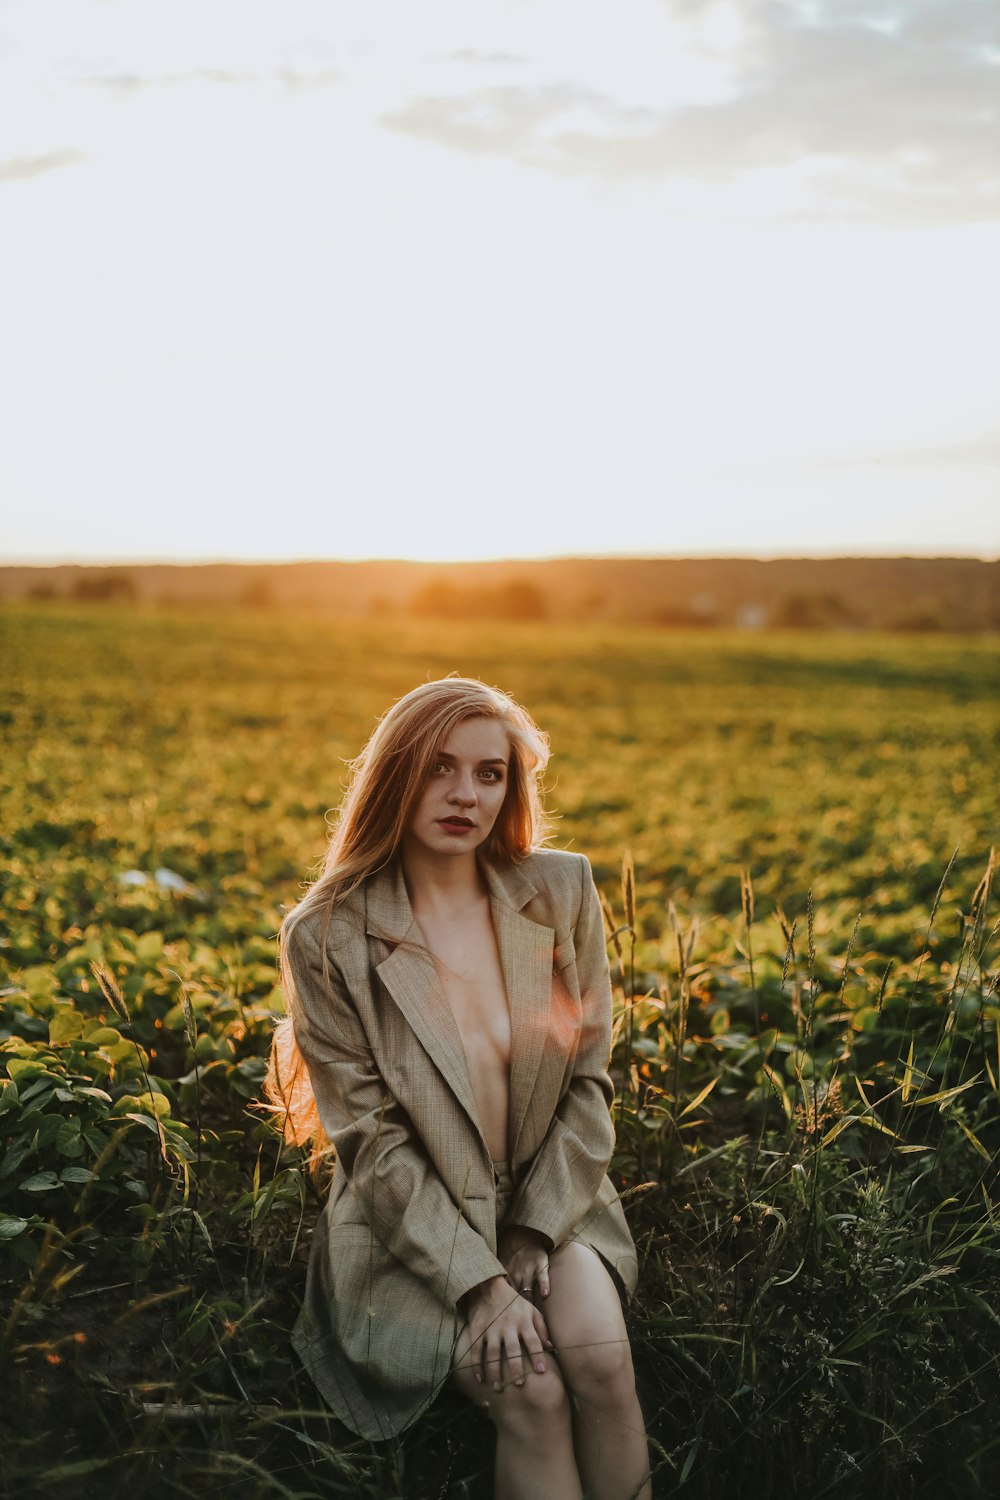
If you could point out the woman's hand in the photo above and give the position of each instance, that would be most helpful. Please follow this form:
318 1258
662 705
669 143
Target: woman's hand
524 1254
503 1328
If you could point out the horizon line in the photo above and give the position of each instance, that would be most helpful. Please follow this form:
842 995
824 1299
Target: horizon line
48 564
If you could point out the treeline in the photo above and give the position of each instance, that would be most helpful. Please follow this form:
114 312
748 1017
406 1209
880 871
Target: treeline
915 594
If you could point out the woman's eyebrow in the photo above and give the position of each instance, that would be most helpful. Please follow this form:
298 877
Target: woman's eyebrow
491 760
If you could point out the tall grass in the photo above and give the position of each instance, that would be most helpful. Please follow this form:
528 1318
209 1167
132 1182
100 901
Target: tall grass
807 1149
819 1307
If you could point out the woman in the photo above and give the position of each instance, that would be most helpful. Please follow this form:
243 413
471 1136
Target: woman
447 986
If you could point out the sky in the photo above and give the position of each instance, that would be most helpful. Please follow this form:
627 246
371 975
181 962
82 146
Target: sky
453 280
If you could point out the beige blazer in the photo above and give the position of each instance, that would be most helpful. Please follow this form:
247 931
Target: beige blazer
410 1222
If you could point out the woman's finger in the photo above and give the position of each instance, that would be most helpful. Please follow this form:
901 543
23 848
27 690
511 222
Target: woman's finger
512 1350
524 1269
532 1342
489 1358
541 1328
493 1359
542 1279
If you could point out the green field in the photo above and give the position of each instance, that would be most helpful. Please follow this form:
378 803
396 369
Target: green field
808 1052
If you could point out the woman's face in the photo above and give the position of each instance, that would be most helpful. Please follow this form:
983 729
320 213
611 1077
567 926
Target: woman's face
465 790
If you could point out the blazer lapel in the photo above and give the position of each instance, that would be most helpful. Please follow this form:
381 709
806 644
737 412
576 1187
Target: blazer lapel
526 952
410 977
526 959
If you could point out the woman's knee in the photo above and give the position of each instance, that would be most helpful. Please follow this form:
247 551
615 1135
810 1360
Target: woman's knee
533 1408
601 1373
585 1319
528 1410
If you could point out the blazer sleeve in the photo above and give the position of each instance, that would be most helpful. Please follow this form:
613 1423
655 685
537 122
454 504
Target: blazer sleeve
570 1165
394 1184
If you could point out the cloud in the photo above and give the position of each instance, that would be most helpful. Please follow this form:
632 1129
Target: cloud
295 80
893 104
475 55
226 76
17 168
125 86
500 121
292 79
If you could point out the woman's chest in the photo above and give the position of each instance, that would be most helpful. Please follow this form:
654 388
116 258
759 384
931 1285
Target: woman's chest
469 970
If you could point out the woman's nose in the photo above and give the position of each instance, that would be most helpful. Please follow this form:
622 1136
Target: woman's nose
463 790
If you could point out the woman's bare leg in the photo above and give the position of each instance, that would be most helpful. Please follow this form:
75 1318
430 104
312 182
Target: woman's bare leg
585 1322
534 1429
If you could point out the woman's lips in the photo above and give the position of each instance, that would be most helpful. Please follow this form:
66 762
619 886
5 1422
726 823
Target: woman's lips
455 825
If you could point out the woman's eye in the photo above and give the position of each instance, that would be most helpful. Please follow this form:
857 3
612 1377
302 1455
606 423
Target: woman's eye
491 773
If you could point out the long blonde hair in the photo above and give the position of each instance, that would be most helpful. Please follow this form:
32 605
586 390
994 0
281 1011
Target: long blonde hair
385 783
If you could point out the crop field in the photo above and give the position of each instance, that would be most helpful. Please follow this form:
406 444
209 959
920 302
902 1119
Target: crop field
794 837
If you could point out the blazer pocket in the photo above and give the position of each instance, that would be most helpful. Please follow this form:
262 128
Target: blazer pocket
343 1209
564 955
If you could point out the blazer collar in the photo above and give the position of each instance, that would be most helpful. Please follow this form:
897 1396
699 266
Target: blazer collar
390 916
408 973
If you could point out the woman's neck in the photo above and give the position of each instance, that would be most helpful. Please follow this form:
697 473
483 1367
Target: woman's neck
441 884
